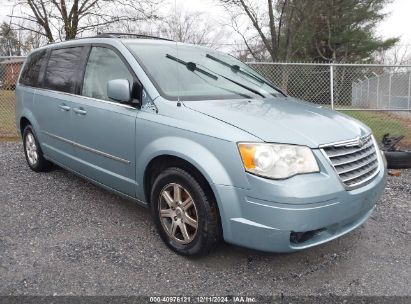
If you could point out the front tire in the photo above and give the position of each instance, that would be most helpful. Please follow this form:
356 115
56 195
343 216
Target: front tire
185 213
33 152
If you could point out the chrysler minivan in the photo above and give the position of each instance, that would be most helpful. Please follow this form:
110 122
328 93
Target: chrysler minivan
212 147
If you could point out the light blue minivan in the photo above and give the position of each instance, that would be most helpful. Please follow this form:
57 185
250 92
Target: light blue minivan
213 148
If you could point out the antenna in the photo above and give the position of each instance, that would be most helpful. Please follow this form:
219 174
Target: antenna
178 66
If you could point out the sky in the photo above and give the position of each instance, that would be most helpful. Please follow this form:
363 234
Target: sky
397 24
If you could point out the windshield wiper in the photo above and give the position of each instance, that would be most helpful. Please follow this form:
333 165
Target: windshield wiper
191 66
242 85
237 69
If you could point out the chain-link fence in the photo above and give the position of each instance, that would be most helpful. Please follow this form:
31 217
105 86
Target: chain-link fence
9 72
385 91
378 95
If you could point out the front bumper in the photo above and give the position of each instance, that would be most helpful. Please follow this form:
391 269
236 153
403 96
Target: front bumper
271 213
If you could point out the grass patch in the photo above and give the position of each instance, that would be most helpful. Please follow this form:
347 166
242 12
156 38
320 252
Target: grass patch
384 122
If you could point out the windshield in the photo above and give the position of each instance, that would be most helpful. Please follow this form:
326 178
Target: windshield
198 73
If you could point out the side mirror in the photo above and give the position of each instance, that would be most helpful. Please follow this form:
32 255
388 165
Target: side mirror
119 90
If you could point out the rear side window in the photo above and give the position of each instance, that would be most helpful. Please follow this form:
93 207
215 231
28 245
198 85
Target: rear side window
103 65
30 73
62 69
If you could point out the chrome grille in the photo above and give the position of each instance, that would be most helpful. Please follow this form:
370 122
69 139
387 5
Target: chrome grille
355 161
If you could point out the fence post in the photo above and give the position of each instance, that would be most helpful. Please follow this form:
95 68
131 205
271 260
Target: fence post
378 90
409 90
356 93
389 91
368 92
361 100
332 85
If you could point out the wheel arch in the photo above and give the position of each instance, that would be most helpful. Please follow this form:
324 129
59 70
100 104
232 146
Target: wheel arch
26 118
164 161
24 122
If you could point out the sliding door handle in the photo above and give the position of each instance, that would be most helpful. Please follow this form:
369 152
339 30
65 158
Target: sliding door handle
64 107
80 111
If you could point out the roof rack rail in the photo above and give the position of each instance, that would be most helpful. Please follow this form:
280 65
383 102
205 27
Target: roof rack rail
122 35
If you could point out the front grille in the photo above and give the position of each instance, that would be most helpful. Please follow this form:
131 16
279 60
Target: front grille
355 161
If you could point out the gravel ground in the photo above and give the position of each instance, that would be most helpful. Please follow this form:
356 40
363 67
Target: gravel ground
60 235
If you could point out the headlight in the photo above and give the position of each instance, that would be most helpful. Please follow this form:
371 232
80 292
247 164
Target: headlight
277 161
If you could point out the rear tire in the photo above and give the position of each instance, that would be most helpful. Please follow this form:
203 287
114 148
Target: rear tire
398 159
185 214
33 152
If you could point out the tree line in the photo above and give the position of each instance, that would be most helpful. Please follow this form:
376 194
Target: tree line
266 30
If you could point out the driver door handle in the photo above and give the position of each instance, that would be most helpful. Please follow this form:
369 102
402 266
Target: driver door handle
64 107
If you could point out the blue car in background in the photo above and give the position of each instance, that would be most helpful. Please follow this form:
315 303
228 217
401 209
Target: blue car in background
209 145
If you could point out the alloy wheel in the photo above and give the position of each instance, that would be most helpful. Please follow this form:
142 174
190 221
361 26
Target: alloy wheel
31 149
178 213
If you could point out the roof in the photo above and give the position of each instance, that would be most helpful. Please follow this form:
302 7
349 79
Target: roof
109 37
129 35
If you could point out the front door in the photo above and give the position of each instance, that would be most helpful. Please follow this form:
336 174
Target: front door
104 130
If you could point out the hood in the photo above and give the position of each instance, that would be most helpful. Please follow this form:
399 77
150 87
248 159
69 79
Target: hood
283 120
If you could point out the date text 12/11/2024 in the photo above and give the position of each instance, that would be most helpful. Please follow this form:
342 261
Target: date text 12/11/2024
203 299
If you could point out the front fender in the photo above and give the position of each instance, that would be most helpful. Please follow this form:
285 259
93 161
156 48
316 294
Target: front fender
198 155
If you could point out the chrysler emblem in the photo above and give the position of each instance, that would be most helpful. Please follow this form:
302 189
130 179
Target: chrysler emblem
360 142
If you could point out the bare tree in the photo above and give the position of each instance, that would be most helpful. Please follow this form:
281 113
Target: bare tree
266 18
398 55
250 44
64 20
191 27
